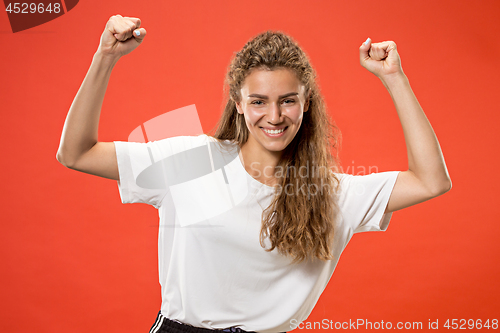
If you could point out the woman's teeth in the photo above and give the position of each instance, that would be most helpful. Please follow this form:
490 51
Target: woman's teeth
273 131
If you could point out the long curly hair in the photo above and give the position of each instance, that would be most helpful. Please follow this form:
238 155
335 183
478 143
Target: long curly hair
300 219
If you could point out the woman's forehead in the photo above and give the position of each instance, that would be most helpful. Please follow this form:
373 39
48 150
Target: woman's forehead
275 81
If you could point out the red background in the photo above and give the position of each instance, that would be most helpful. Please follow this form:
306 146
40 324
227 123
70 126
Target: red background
74 259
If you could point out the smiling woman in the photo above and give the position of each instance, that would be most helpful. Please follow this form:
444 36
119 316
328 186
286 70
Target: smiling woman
273 115
241 248
272 88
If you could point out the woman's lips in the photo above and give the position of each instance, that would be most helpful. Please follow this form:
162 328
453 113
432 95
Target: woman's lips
274 135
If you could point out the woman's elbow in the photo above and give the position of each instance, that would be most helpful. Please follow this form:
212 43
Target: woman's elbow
441 187
61 158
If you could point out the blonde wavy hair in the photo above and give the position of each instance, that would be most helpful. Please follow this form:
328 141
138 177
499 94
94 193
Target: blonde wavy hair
300 225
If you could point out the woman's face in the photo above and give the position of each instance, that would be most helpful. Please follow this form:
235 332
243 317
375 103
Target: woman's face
273 103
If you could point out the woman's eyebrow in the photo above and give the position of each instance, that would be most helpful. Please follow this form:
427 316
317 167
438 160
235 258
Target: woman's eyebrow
265 97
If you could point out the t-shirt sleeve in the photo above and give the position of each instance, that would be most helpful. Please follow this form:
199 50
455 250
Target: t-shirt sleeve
134 161
363 200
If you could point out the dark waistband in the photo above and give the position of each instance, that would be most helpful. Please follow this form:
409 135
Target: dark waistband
164 324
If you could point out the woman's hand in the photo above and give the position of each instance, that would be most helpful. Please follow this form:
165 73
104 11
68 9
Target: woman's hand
121 36
381 59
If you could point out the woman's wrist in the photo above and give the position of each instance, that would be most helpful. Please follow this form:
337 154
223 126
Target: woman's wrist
105 59
393 80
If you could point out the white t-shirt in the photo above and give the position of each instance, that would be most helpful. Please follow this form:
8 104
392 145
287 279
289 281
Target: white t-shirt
213 271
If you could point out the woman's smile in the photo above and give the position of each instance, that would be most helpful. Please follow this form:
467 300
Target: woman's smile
274 133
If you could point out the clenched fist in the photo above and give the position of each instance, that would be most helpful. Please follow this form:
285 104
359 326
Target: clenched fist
381 59
121 36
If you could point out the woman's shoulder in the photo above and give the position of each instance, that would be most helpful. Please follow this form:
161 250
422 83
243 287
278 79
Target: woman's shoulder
178 144
200 139
374 175
358 184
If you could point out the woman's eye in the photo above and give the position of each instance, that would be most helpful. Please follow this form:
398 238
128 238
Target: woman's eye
286 101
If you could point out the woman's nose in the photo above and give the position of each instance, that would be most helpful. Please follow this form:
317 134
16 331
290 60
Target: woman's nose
274 115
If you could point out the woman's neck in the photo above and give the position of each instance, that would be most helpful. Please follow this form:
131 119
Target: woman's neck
259 162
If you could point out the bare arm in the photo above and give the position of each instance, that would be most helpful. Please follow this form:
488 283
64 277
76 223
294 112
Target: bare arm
79 148
427 176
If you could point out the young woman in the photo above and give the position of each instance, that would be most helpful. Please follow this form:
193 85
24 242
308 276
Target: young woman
253 219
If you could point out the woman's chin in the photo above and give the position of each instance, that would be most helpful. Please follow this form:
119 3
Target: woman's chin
275 147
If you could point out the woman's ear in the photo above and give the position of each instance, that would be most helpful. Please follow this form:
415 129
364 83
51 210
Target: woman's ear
308 99
238 107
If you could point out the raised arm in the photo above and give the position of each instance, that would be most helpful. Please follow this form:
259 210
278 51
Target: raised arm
427 176
79 148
